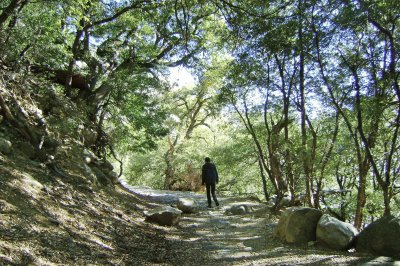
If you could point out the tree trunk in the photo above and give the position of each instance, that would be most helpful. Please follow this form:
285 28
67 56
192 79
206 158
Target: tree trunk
169 179
12 8
305 152
290 178
324 161
361 195
274 160
249 127
386 200
263 179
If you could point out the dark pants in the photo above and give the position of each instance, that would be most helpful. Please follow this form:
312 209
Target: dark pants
211 192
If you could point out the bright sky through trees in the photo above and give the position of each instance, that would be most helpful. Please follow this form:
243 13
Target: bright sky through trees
181 77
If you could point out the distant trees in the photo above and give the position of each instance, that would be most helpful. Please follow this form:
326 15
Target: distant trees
191 108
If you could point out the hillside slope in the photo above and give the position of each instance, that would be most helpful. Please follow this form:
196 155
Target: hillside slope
59 203
47 219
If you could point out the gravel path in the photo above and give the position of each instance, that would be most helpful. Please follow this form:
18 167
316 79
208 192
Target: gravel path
246 239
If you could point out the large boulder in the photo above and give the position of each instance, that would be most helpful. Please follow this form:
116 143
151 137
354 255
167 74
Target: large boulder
286 201
335 233
105 166
381 237
187 205
298 225
164 215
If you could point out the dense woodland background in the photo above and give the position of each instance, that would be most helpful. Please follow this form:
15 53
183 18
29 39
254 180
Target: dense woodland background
292 99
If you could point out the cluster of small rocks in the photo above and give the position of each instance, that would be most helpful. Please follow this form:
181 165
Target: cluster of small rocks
169 216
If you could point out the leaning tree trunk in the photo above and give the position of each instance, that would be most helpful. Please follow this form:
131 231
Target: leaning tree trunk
361 194
305 153
169 179
263 179
288 160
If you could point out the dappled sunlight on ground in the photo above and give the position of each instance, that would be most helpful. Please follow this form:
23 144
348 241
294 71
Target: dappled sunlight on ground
244 239
50 221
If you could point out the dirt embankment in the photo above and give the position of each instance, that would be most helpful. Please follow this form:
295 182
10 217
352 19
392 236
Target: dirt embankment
50 220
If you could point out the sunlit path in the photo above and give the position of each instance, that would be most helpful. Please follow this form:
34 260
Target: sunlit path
241 239
161 196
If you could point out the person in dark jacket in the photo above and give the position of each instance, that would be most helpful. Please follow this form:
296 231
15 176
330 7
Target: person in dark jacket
209 177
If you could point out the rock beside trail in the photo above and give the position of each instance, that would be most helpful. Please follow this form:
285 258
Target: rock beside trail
239 209
101 168
285 202
187 205
381 237
335 233
298 225
5 146
164 215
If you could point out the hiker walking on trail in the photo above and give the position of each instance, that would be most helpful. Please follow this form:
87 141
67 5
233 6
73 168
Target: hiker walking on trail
209 177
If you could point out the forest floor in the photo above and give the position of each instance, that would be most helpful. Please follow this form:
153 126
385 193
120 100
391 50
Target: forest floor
65 220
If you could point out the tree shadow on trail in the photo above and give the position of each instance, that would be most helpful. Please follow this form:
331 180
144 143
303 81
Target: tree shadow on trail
249 240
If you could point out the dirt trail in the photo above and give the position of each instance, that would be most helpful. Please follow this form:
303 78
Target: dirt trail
246 239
